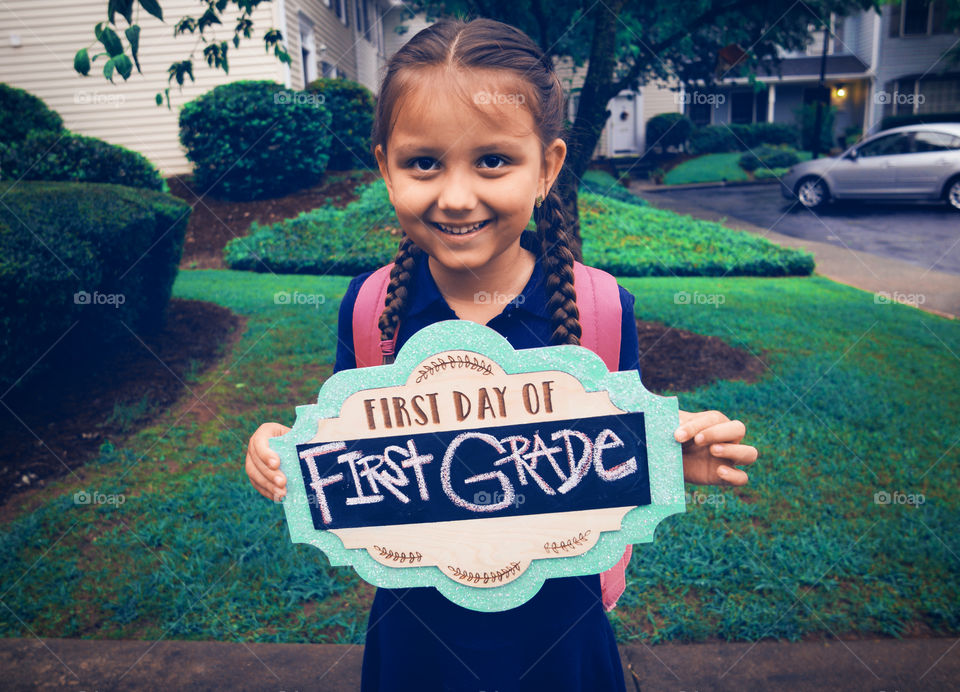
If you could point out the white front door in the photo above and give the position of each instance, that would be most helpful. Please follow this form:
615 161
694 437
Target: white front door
623 118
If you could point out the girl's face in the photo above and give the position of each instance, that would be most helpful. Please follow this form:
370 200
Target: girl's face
464 186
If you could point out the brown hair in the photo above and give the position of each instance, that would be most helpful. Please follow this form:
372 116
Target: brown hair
491 45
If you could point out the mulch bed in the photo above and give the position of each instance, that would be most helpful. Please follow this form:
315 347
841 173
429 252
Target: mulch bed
58 421
214 222
72 413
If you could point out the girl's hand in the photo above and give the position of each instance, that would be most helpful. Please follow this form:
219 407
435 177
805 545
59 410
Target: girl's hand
711 447
263 464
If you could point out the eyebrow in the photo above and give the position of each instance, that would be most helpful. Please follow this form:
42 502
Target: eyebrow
406 150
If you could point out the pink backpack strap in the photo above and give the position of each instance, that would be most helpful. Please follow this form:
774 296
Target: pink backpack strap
366 315
598 299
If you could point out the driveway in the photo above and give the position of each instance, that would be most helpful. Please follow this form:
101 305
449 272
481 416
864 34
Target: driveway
926 235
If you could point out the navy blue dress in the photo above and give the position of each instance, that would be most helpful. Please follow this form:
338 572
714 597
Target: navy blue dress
558 640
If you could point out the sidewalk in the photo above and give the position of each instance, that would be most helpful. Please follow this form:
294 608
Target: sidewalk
879 275
87 664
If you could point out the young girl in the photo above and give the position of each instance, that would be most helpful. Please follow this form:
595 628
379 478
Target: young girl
467 137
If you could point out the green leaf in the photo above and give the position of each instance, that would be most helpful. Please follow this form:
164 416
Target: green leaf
124 65
124 7
111 42
108 69
153 7
133 37
98 30
159 98
81 62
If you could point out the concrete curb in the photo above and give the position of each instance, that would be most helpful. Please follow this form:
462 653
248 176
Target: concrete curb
644 187
86 664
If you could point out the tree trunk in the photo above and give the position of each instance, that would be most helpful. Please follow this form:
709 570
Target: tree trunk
591 115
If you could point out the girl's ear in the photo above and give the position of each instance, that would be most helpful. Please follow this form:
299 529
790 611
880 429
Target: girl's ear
553 159
382 163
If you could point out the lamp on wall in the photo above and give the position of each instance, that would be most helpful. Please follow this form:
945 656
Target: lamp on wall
840 90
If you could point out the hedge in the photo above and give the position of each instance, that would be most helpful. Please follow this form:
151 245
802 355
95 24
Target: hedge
254 139
624 239
64 156
351 107
769 157
21 113
717 139
80 261
668 129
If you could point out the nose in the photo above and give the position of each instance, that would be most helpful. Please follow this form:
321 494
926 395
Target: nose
457 193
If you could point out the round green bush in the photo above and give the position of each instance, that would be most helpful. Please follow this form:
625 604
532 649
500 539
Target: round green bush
21 112
769 157
68 157
713 139
255 139
351 106
668 129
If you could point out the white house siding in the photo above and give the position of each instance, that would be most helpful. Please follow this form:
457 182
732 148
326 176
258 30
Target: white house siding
908 56
329 31
393 41
123 113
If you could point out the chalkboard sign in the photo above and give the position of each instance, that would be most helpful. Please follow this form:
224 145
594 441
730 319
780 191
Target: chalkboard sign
480 470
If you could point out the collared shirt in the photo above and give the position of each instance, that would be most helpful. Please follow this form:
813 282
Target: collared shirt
524 321
560 639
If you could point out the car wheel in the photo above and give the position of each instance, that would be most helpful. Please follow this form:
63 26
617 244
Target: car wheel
953 194
812 192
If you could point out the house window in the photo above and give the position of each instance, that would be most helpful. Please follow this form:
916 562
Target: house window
573 102
329 71
340 8
363 18
919 18
308 50
699 113
748 107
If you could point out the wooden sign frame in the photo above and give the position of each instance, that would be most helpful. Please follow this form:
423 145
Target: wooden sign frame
495 562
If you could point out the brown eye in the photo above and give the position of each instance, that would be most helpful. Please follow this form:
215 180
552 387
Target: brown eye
494 158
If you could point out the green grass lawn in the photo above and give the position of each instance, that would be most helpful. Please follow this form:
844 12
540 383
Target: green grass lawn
857 401
711 168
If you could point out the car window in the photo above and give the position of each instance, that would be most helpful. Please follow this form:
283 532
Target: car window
934 141
886 146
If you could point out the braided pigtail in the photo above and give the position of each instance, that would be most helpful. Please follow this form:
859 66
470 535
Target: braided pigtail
558 264
398 291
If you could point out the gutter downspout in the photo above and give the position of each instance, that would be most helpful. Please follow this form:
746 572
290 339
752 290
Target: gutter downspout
281 21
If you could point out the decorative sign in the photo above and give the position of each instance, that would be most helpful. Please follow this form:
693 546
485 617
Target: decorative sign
480 470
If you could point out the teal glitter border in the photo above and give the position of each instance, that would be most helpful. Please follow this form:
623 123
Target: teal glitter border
661 415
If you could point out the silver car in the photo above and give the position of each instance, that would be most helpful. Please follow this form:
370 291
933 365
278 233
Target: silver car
916 162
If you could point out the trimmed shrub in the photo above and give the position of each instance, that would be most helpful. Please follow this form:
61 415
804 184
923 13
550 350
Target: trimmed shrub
625 239
83 262
669 130
351 107
775 133
21 113
807 117
713 139
918 118
254 139
769 157
68 157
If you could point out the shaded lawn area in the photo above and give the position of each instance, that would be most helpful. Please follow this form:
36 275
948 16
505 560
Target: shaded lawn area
857 402
711 168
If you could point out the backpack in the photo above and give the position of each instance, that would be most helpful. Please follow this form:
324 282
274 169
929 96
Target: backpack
600 315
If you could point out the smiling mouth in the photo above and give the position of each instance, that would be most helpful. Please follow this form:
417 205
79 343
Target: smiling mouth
460 230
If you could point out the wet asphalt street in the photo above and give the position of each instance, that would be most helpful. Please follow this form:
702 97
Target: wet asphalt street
927 235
